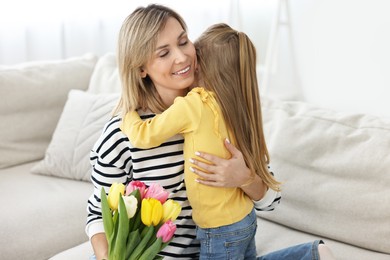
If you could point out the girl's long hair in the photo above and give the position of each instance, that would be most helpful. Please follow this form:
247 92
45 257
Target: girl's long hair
136 43
227 64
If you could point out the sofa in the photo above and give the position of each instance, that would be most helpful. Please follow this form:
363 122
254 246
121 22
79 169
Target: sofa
334 166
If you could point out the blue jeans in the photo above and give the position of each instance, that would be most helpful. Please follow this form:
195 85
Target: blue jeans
306 251
235 241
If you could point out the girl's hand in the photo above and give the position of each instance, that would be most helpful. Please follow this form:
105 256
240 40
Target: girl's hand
231 172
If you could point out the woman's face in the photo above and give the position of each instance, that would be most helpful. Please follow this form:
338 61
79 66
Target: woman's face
172 67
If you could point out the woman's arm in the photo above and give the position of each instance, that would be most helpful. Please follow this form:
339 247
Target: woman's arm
231 172
107 168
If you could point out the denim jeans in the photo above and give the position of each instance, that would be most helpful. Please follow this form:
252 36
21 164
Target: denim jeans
235 241
306 251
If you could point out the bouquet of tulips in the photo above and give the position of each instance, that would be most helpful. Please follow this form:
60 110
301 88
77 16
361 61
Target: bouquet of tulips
138 220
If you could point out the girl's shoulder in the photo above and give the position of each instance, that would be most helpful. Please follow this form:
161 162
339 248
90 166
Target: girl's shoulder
202 93
198 90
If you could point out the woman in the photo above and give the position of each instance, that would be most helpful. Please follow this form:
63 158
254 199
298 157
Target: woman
157 63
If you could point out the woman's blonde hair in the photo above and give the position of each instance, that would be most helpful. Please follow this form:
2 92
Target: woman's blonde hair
227 64
136 44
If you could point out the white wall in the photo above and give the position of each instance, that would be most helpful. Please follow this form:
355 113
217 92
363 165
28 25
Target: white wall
335 54
53 29
342 55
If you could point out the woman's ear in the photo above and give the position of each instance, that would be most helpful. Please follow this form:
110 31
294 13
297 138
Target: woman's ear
143 73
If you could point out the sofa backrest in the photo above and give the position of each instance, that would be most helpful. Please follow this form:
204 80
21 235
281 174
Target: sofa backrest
32 98
335 170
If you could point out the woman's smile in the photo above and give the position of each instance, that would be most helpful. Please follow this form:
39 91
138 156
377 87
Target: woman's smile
184 71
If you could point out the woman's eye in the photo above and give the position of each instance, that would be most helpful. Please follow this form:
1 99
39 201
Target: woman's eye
183 42
163 54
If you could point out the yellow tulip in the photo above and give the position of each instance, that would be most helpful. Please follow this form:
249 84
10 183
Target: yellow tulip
151 211
116 190
171 210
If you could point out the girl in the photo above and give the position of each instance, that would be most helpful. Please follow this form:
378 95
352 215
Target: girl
227 107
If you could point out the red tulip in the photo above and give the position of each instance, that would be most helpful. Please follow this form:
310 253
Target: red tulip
133 185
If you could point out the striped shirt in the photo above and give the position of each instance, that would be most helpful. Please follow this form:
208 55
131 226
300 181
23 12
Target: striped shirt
114 159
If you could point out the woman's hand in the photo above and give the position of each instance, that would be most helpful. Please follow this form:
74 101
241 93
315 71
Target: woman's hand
229 173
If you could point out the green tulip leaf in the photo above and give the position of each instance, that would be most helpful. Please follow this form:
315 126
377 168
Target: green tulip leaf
152 250
144 241
132 241
106 214
137 224
122 232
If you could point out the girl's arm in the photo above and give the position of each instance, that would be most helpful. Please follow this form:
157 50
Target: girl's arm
181 117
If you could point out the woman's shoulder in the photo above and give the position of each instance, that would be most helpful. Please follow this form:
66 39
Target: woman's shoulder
112 124
110 135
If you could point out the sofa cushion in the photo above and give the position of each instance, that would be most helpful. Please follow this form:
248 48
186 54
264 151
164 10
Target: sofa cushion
80 252
79 127
105 76
40 215
335 172
33 95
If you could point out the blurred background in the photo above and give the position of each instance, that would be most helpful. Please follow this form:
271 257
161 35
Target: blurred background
332 53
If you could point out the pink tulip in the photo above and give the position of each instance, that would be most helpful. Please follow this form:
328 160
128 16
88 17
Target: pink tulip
133 185
166 231
157 192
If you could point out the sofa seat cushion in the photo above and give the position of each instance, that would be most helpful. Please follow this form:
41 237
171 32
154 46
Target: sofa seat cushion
79 252
335 172
271 236
40 215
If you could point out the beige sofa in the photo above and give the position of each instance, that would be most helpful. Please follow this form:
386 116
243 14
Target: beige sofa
335 167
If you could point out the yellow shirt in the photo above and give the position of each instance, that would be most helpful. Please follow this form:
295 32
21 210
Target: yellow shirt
198 117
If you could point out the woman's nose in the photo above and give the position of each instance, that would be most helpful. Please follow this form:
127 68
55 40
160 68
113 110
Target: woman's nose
180 56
